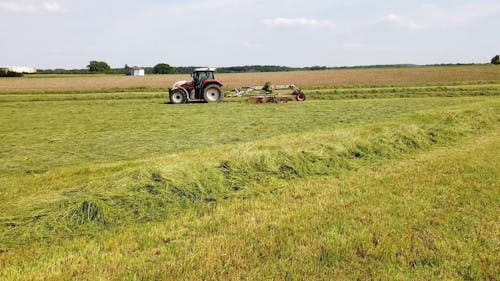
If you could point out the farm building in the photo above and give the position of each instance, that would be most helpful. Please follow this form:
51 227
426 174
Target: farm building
17 69
134 71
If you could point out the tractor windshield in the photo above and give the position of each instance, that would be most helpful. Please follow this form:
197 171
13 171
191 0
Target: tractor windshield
203 75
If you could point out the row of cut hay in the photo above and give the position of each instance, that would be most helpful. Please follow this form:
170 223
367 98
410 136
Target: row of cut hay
83 97
164 189
323 94
403 92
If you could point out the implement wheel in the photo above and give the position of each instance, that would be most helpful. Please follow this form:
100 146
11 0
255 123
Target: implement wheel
300 97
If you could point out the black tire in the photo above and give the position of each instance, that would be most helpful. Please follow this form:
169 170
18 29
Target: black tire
177 97
213 93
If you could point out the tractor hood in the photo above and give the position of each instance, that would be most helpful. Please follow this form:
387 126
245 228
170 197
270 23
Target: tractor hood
178 84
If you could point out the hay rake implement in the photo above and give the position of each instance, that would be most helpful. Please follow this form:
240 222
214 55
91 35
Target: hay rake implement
270 94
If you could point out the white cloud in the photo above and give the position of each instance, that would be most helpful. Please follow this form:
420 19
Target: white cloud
460 15
30 6
399 22
52 7
297 22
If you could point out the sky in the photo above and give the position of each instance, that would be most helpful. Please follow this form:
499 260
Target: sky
70 33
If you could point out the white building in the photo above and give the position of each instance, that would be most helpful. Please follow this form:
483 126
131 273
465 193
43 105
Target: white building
18 69
134 71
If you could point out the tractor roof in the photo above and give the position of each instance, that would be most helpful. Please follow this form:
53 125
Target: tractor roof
205 69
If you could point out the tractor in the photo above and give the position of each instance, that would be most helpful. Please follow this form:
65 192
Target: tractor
203 87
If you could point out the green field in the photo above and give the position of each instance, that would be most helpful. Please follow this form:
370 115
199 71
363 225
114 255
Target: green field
359 182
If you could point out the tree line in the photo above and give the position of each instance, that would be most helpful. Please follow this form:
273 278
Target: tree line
164 68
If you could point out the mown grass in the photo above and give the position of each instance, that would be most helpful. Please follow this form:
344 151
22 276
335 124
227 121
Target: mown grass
99 131
370 216
486 89
474 88
135 189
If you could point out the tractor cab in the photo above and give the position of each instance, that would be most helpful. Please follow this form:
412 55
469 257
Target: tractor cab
200 75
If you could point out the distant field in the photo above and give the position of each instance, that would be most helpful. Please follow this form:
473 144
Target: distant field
308 79
389 174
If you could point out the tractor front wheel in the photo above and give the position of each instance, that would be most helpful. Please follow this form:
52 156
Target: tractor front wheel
213 93
178 97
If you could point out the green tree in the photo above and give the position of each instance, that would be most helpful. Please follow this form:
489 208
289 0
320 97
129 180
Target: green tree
495 59
98 66
163 68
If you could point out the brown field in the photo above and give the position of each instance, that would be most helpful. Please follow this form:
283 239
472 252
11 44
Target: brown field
306 79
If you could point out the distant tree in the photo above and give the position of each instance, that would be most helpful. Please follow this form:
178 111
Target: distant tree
11 74
163 68
127 70
98 66
495 59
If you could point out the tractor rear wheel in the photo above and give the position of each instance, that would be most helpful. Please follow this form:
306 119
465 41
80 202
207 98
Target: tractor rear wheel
213 93
178 97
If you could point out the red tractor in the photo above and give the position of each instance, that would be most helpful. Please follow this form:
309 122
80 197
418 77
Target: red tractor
204 87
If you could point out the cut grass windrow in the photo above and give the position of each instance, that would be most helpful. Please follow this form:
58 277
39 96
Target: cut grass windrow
430 215
405 92
108 197
326 93
83 96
